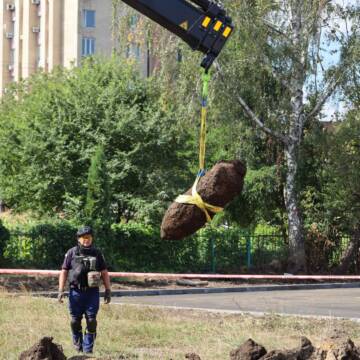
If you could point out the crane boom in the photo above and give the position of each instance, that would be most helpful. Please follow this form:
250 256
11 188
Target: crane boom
202 24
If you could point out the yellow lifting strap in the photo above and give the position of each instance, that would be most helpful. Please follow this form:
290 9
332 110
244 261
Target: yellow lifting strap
202 147
195 198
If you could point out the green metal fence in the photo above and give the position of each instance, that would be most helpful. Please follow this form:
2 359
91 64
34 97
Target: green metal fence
240 251
212 250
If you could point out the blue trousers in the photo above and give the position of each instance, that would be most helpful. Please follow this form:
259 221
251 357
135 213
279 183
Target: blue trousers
82 303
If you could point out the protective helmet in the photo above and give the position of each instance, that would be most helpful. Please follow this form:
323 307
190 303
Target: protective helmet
86 230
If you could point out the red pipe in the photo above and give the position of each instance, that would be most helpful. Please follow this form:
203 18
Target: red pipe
55 273
48 273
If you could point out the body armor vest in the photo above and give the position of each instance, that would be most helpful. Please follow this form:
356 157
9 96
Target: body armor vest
83 271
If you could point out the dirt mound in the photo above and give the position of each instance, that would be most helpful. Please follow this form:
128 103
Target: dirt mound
27 283
332 349
218 187
45 349
192 356
249 350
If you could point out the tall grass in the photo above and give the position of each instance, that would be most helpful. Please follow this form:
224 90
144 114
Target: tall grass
147 333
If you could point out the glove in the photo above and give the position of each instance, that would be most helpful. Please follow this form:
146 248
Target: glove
107 296
60 297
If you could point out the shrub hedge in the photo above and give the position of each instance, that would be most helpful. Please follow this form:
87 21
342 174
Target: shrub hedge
135 247
39 246
4 237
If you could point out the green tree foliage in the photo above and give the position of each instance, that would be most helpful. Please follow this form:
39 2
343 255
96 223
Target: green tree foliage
260 200
39 244
342 189
313 157
4 237
230 135
329 173
276 56
98 196
51 124
351 87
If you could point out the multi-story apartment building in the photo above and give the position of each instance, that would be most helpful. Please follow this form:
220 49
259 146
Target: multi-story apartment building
41 34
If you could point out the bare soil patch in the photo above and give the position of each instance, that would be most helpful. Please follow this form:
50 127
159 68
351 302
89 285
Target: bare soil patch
334 348
23 284
19 284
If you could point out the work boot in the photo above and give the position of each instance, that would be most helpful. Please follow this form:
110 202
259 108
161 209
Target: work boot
88 343
78 341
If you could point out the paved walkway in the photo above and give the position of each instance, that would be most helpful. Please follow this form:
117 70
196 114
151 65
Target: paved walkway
325 302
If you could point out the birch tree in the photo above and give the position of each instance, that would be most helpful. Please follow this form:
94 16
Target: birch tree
281 67
306 52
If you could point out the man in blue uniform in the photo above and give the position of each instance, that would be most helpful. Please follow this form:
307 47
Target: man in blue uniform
84 265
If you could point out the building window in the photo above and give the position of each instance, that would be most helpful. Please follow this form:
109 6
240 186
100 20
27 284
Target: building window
133 50
133 22
12 57
38 57
88 46
39 10
89 18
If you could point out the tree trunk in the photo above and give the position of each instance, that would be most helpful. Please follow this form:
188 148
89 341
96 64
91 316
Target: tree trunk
2 206
297 259
349 254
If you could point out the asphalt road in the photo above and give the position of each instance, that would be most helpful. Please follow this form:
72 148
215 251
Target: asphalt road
325 302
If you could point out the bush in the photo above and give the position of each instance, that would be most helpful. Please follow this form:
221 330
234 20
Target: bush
140 248
4 237
40 245
135 247
52 131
